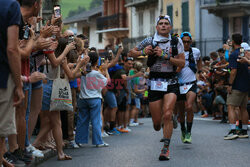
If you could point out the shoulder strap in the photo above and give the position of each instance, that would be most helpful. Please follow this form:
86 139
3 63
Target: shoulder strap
174 43
191 56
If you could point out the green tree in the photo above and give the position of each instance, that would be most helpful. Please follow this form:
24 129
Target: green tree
95 3
75 12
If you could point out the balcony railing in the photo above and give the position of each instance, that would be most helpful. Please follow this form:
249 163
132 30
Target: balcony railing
224 7
130 3
224 2
113 21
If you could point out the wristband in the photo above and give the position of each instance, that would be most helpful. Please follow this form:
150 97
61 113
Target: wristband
143 52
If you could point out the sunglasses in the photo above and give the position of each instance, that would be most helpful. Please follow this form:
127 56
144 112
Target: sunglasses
129 58
186 41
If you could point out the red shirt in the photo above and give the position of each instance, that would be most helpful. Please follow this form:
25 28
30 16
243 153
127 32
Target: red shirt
25 67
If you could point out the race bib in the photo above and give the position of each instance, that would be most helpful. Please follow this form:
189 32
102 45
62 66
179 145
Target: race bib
159 86
185 88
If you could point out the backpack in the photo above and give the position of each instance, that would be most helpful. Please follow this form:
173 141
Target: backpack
192 64
174 42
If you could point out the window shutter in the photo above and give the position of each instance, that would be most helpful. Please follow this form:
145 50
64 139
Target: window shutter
245 32
185 16
170 12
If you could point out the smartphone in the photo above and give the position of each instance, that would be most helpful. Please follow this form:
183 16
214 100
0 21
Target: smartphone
88 68
242 52
71 39
57 11
26 32
102 61
110 55
82 56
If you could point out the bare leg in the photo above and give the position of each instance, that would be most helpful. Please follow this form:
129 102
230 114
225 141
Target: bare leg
156 113
35 108
168 108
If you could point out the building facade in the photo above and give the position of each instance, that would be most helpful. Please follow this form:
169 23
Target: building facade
142 20
218 20
86 23
182 14
114 22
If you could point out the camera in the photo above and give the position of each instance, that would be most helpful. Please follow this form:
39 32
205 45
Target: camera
26 32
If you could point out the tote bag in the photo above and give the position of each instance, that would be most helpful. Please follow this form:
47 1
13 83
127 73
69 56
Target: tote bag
61 97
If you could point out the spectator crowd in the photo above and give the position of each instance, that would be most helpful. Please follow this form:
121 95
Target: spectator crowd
54 84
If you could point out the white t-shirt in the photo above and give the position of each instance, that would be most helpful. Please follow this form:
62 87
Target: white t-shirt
186 74
164 43
92 85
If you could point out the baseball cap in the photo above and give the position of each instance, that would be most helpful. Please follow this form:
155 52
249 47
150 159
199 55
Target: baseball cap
186 34
245 46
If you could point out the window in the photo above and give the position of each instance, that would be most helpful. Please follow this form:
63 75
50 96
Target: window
152 21
100 38
185 16
85 31
237 25
140 17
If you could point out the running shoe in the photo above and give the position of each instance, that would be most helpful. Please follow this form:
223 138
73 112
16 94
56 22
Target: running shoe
128 129
188 138
243 134
133 124
115 131
164 156
231 135
204 116
102 145
35 152
23 156
183 136
122 130
13 160
72 144
104 134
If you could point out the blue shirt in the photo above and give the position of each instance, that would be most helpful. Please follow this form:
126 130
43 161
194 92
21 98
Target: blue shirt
9 15
73 84
242 80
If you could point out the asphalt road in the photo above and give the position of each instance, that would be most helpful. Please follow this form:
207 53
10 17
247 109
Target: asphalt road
141 148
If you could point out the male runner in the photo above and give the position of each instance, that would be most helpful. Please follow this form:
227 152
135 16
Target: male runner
188 87
165 54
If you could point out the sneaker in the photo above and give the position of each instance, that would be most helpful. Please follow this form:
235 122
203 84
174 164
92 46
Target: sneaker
13 160
164 156
35 152
188 138
175 123
183 136
128 129
224 120
23 156
243 134
72 144
115 131
81 145
231 135
134 124
102 145
104 134
109 132
122 130
204 116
